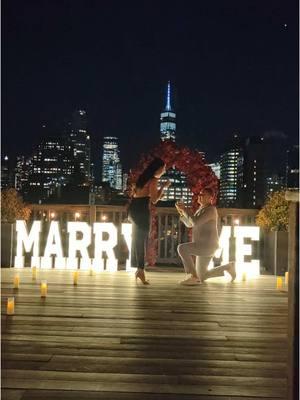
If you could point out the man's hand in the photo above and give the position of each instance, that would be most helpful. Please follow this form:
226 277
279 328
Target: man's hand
180 207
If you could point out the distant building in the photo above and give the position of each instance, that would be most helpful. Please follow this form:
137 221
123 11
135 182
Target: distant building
262 168
52 168
81 143
274 183
6 172
229 160
168 119
292 168
23 170
92 172
251 169
178 189
111 165
252 174
276 146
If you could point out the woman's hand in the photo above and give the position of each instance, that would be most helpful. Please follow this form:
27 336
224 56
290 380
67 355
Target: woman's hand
166 184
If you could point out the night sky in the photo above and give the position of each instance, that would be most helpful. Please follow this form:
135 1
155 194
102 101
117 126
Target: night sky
233 64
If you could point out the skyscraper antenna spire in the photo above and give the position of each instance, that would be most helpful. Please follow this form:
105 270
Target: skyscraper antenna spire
168 104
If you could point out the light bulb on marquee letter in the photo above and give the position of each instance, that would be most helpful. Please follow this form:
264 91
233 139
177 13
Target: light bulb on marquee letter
105 245
80 245
53 247
127 233
242 249
28 240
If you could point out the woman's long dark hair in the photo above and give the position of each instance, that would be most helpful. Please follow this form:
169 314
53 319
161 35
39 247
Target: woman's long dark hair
149 172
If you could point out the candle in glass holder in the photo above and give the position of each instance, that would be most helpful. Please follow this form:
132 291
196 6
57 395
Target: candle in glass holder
279 282
34 273
16 281
10 306
44 288
75 278
286 278
244 276
91 271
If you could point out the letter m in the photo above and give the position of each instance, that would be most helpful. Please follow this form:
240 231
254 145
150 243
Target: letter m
28 240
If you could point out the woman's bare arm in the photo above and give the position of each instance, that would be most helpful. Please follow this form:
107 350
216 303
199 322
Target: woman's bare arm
155 193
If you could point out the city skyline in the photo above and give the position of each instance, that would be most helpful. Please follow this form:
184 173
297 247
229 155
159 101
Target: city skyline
249 169
233 67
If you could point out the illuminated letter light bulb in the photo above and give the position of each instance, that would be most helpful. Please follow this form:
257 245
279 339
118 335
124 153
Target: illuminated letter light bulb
251 268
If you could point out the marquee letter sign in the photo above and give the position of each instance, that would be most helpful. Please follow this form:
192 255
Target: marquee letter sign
28 240
102 238
80 236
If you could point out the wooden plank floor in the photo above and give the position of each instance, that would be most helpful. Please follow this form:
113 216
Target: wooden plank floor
110 338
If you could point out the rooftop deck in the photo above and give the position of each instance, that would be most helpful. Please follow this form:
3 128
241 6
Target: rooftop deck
110 338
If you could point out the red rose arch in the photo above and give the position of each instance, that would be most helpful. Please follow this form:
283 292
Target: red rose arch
191 163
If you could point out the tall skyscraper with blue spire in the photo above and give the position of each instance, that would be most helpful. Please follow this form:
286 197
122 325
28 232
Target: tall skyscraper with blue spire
168 118
178 189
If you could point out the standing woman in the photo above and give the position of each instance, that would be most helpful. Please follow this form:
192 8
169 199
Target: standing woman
146 191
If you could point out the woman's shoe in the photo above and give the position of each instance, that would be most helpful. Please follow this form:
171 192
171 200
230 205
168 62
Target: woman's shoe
140 274
231 270
190 281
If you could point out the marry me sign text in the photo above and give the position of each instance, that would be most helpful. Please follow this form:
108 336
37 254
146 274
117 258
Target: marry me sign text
101 238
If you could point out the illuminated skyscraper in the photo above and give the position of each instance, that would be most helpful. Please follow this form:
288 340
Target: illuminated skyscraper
22 172
52 167
261 168
6 173
251 174
111 166
168 118
80 139
178 189
274 183
229 162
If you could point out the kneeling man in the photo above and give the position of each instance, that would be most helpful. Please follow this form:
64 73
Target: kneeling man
204 240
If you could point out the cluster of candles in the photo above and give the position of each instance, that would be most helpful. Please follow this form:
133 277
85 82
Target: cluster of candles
10 310
44 286
279 280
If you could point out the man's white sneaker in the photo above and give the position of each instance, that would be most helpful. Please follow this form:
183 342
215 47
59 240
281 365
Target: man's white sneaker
190 281
186 279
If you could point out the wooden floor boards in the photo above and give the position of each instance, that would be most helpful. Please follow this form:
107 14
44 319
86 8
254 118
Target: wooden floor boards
109 338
